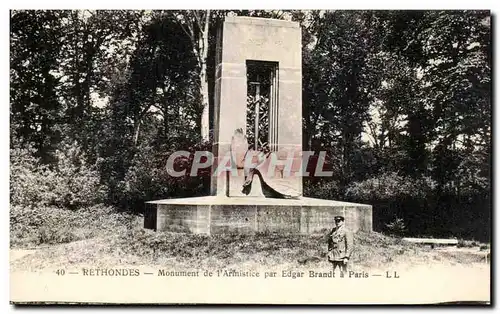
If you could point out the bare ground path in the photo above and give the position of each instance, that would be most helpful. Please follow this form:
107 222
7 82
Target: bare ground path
16 254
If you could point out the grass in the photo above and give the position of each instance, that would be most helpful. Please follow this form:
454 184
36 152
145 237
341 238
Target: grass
33 227
101 238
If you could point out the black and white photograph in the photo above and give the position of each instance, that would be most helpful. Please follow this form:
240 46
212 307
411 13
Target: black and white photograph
256 156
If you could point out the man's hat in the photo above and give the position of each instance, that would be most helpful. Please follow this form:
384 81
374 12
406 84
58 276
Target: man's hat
338 218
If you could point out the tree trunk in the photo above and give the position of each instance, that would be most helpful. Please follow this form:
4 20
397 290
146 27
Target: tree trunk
203 45
136 132
205 128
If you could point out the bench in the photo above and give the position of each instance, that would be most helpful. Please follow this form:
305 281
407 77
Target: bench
451 243
432 242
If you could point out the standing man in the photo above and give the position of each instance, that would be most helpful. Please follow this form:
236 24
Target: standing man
340 245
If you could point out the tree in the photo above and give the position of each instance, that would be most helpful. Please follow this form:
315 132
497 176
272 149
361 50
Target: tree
458 83
195 24
96 43
36 111
163 71
339 79
200 27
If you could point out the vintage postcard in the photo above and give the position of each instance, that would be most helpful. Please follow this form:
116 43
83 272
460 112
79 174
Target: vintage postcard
250 157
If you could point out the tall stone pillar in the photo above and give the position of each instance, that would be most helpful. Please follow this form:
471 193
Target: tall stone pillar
243 39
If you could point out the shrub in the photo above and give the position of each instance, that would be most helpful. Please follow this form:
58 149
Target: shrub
69 183
396 227
390 186
48 235
144 180
467 243
28 179
50 225
148 179
324 189
76 183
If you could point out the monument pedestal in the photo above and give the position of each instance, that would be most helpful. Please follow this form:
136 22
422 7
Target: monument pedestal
219 214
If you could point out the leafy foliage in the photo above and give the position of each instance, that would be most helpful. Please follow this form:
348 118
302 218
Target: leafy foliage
70 183
396 227
53 225
390 186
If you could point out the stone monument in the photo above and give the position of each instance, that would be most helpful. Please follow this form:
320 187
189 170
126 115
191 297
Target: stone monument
258 118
